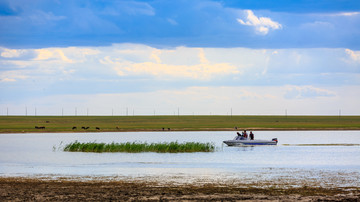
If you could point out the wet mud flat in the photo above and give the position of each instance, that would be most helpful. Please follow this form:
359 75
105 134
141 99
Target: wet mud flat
34 189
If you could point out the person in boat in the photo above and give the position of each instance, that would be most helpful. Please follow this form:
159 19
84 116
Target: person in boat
251 135
239 137
245 135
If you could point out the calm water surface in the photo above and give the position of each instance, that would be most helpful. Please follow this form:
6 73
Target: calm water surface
39 154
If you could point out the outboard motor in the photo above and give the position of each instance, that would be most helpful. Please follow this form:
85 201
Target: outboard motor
275 139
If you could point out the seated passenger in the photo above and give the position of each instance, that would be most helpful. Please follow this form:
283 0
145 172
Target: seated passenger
245 134
251 135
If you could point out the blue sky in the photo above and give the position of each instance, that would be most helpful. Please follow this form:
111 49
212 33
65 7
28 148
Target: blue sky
202 57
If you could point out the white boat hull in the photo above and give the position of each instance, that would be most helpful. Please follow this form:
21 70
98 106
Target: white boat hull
248 142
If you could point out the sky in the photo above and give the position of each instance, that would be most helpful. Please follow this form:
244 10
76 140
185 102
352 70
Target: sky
186 57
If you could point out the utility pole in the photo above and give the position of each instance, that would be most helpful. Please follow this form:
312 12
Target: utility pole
339 113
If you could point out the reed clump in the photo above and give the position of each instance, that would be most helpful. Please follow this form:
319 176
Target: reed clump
136 147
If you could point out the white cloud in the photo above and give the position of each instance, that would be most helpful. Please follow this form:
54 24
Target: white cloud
11 76
301 92
155 55
42 64
10 53
7 80
343 14
172 21
204 70
354 55
202 56
318 25
53 53
20 54
349 13
199 71
136 8
262 25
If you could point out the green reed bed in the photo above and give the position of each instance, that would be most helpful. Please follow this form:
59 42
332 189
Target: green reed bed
136 147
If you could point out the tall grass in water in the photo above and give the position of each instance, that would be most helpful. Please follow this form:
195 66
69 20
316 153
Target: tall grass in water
136 147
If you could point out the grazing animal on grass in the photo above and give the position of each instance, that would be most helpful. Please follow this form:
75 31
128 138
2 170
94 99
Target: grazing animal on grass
40 127
117 128
74 128
87 128
97 128
163 129
83 127
168 128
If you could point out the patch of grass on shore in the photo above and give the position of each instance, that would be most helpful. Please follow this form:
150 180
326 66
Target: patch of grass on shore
136 147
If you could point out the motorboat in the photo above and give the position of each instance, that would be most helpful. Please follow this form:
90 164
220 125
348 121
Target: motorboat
242 141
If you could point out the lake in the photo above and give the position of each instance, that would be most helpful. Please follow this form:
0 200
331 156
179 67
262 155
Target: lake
324 158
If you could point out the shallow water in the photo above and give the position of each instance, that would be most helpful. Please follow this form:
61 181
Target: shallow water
319 157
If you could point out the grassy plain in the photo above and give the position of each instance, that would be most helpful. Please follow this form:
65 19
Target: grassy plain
18 124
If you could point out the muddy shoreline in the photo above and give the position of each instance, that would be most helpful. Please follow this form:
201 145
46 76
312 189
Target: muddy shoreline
33 189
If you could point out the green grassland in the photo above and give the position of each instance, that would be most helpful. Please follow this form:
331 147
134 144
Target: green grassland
18 124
